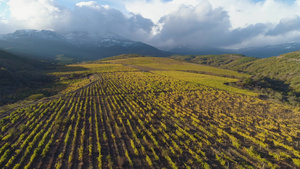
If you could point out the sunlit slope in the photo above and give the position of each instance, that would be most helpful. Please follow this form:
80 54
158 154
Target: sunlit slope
200 74
172 64
207 80
137 119
285 67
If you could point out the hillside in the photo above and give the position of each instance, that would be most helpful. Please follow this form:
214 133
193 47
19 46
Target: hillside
19 75
141 112
284 67
227 61
15 63
277 77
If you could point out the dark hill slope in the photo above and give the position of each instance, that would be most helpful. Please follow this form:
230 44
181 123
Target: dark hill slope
15 63
19 74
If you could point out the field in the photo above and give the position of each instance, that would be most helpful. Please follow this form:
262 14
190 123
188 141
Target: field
171 64
207 80
124 117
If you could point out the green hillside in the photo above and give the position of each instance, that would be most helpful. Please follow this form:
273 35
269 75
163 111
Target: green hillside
227 61
277 77
284 67
159 63
201 74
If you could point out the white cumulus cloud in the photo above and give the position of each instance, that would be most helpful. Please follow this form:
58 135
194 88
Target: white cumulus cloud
172 23
98 19
37 14
91 4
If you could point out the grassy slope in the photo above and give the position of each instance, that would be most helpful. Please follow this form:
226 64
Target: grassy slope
285 67
224 61
207 80
205 75
172 64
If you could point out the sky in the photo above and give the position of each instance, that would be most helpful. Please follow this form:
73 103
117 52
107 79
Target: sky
163 23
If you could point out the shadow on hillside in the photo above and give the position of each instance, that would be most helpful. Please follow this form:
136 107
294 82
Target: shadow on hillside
270 89
20 85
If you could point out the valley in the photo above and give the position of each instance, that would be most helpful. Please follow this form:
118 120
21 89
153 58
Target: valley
132 111
153 84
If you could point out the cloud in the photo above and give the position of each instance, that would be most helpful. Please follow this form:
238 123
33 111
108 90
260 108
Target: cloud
241 13
165 23
39 14
215 23
5 28
98 19
91 4
155 9
202 26
194 26
85 16
286 25
250 12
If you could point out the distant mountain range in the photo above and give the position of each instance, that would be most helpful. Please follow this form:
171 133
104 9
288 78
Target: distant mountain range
72 46
260 52
82 46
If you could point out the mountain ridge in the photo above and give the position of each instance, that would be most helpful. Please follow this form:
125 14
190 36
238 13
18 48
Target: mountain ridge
73 46
260 52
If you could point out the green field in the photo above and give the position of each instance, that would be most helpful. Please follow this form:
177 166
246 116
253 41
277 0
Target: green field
207 80
172 64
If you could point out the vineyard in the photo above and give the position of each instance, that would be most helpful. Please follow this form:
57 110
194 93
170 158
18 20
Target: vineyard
126 118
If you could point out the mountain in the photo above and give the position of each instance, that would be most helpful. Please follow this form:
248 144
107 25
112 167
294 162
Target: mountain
72 46
260 52
271 50
31 33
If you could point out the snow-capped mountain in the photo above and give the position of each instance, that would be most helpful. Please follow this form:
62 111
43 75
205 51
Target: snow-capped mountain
271 50
110 39
30 33
78 46
104 40
79 38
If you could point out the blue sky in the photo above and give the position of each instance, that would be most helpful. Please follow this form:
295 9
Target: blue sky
163 23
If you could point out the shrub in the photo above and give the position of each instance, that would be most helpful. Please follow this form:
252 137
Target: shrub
35 97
